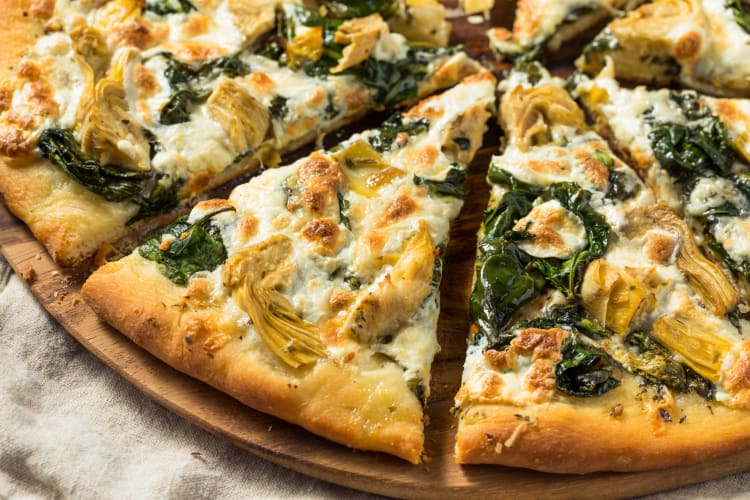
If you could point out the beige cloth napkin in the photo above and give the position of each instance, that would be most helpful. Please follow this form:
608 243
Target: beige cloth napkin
70 427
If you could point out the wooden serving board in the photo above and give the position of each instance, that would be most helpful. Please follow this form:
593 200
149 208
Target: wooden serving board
57 289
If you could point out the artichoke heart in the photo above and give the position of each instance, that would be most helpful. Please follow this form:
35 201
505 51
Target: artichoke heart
613 296
704 276
252 17
91 44
360 35
115 13
531 113
378 312
307 47
255 274
241 116
464 135
110 133
687 334
365 169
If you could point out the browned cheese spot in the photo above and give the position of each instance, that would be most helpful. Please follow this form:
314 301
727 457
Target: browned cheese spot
324 232
398 208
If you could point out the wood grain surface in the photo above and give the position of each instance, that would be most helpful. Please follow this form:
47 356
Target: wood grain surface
58 290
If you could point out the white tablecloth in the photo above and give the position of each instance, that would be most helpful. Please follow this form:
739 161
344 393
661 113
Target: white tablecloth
70 427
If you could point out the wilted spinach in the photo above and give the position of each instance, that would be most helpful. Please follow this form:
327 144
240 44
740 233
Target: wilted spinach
164 7
193 247
656 364
148 189
584 370
565 275
187 84
386 135
109 181
508 277
741 11
451 185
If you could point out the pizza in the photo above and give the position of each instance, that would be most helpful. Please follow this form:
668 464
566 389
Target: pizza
605 335
312 292
112 113
545 25
693 151
700 44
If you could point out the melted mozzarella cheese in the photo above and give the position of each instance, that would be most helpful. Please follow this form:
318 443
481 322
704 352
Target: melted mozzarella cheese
555 232
318 276
727 52
67 76
713 192
733 233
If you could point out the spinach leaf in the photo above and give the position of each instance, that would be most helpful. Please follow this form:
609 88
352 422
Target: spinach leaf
685 151
193 247
187 84
109 181
177 108
164 7
386 135
343 208
584 370
504 282
568 316
656 364
565 275
699 147
741 11
151 191
360 8
508 277
452 185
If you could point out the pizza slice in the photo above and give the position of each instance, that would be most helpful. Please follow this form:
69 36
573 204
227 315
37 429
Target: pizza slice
694 152
96 136
542 26
312 292
701 44
602 338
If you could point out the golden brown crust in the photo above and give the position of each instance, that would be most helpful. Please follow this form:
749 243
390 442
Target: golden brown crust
613 432
321 398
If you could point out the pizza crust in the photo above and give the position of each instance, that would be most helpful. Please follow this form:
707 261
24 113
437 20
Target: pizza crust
339 401
613 432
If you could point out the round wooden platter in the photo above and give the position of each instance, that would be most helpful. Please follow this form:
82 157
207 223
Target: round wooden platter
57 289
